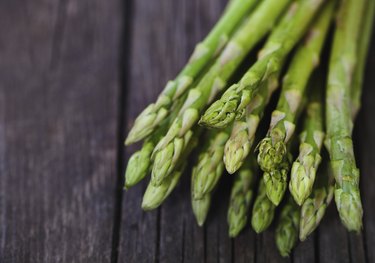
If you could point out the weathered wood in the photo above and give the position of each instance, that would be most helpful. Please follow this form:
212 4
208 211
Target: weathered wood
364 142
305 251
59 80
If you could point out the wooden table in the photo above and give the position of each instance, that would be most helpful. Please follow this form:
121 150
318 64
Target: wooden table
73 76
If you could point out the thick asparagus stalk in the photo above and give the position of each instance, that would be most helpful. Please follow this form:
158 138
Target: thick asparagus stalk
273 148
209 168
263 210
203 54
245 38
287 227
233 102
276 182
237 148
363 47
241 196
338 113
314 207
304 168
201 208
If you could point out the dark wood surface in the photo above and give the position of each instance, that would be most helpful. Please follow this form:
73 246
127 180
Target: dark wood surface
73 76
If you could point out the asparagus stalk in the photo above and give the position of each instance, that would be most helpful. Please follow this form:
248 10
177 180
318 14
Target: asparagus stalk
287 227
203 54
304 168
338 113
169 148
156 194
201 208
363 47
237 148
241 196
276 182
209 168
273 148
233 102
263 210
314 207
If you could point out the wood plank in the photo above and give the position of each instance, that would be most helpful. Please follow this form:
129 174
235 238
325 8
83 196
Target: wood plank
364 144
59 76
305 251
333 238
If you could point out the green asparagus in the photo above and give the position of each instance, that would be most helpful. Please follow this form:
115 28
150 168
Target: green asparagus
304 168
201 208
338 113
169 148
314 207
241 196
263 210
234 101
276 182
209 168
273 148
242 137
287 227
363 47
203 54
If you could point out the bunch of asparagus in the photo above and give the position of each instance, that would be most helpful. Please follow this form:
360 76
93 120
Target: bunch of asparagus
324 99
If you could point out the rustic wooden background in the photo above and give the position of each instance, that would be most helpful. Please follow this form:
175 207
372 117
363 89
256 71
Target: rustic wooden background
73 75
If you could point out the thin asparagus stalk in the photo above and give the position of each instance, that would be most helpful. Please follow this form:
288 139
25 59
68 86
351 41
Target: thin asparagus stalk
314 207
233 102
363 47
273 148
287 227
209 168
237 148
169 148
311 140
201 208
155 195
338 113
241 195
203 54
263 210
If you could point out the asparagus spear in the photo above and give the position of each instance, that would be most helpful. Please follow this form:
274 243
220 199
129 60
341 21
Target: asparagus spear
169 148
273 148
156 194
201 208
363 46
314 207
233 102
304 168
276 182
209 168
338 113
287 227
263 210
241 196
242 137
203 54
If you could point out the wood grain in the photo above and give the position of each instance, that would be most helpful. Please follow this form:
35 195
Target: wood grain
59 81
